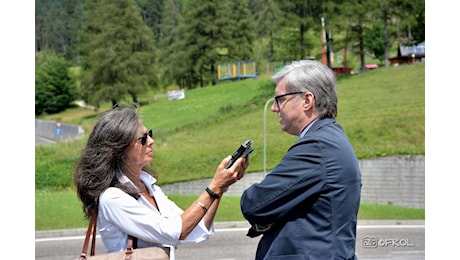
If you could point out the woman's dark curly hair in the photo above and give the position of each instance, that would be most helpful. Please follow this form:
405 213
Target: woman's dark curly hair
102 160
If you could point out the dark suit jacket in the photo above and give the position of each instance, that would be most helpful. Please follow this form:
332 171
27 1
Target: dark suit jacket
312 196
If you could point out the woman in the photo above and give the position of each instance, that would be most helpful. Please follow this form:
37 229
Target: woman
111 177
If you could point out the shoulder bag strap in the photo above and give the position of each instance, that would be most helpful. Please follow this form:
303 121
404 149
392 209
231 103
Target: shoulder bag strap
91 229
129 248
93 241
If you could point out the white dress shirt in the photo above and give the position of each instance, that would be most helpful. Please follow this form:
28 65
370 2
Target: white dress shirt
120 215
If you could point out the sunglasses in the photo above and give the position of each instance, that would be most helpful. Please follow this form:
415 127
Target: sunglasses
143 138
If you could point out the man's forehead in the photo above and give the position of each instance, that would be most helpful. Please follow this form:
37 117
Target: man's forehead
280 87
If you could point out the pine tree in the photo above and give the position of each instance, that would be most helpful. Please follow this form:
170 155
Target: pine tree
172 67
118 52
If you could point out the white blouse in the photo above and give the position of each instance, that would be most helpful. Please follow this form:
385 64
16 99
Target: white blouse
120 215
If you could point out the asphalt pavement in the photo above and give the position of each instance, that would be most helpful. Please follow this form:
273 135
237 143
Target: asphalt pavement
410 231
43 234
388 239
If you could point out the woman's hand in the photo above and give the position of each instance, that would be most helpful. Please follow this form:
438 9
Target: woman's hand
207 203
223 178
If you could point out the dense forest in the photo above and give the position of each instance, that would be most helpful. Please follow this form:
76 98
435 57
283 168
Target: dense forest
125 48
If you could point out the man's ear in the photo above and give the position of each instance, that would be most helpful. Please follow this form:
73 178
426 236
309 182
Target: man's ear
309 101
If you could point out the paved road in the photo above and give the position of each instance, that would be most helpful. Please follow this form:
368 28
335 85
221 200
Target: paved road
396 240
41 141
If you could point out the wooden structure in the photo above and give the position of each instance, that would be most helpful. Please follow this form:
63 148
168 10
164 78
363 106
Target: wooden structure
409 54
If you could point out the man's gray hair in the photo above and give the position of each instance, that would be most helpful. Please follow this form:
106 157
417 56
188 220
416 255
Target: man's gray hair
315 77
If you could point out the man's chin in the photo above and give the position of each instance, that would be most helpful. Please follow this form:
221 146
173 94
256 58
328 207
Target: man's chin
283 128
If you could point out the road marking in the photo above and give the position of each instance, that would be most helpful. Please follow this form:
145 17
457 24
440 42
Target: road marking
390 226
233 230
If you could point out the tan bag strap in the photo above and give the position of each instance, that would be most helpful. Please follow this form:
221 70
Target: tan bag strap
92 229
129 248
93 241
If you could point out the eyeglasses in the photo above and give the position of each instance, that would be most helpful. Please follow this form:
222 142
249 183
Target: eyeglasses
278 98
143 138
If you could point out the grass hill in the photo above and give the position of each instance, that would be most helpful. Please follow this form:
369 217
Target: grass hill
382 111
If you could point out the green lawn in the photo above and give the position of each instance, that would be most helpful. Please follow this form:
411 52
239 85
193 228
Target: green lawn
382 111
62 210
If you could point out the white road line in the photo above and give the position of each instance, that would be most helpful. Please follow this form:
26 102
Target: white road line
233 230
390 226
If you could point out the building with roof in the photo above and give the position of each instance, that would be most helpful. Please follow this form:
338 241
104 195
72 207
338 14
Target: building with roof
409 54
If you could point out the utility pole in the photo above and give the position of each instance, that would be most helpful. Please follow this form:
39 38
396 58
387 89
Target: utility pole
324 58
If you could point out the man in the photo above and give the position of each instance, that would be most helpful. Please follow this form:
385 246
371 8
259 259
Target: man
307 207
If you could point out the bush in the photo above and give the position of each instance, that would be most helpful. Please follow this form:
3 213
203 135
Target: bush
55 90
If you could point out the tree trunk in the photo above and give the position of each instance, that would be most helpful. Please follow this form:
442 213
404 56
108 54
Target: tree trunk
385 37
361 44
